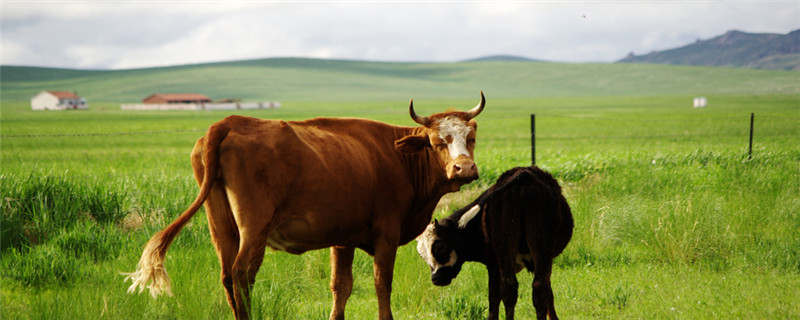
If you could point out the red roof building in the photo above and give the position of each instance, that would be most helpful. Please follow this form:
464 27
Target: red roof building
169 98
58 100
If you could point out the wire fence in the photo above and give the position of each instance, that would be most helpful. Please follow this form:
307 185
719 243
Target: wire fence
652 119
100 134
517 136
545 115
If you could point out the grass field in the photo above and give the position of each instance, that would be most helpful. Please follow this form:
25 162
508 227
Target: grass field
673 221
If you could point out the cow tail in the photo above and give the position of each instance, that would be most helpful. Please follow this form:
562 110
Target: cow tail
151 265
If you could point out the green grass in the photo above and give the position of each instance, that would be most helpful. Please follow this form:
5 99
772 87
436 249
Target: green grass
672 218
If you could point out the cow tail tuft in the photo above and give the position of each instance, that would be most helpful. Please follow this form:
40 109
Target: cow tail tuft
151 268
150 271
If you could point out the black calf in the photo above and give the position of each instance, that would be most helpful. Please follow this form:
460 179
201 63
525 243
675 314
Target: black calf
522 221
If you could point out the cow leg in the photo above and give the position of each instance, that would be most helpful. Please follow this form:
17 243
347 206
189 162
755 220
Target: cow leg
245 268
341 279
221 225
383 268
542 294
225 237
495 293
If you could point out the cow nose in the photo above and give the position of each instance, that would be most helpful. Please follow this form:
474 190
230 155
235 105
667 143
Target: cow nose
459 167
464 169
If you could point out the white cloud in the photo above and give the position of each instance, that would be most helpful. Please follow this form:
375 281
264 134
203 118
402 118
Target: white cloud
129 34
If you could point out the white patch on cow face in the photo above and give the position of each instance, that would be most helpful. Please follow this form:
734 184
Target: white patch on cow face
457 130
468 216
425 245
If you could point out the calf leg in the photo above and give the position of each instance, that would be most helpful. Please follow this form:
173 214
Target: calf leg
505 246
510 287
495 294
502 286
341 279
542 294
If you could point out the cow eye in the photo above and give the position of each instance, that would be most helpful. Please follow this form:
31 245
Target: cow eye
439 143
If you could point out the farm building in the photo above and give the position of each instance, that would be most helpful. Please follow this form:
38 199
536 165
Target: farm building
700 102
195 101
175 98
58 100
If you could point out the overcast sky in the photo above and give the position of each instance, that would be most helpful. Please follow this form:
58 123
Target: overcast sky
121 34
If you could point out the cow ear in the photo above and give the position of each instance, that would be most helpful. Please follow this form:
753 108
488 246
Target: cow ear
411 144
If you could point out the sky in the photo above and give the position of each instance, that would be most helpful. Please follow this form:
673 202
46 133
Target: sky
127 34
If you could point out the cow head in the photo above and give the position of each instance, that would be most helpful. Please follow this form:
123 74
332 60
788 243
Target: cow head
438 246
451 135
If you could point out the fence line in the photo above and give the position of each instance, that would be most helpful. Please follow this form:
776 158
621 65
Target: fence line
497 138
638 119
743 116
160 173
582 137
98 134
750 146
100 157
498 118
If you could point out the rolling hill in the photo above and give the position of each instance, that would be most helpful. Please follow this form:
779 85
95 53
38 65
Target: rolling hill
315 80
502 57
733 49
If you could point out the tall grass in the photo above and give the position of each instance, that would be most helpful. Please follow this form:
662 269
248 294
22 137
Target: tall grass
700 207
36 206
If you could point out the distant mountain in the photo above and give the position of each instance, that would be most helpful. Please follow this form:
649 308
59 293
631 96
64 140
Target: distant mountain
733 49
506 58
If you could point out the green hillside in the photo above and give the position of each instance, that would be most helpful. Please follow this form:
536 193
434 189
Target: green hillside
733 49
313 80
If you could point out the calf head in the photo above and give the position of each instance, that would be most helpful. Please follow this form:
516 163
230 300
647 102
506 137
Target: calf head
438 245
451 135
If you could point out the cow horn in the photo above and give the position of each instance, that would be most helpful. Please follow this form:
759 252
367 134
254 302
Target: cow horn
421 120
477 110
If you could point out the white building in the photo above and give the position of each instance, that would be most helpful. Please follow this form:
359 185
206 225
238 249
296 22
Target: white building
700 102
58 100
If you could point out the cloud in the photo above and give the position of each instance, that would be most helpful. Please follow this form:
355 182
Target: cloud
131 34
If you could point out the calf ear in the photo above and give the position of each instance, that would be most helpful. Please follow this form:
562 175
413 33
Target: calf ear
410 144
468 216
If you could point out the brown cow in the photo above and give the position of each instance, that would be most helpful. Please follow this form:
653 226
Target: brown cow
297 186
523 220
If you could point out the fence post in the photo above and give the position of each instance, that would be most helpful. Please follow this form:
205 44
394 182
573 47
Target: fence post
750 148
533 138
